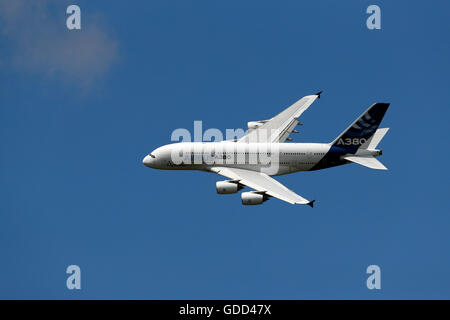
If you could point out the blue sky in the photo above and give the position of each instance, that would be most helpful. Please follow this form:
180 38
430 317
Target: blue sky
80 109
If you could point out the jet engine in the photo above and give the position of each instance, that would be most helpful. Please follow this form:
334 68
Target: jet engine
227 187
252 125
252 198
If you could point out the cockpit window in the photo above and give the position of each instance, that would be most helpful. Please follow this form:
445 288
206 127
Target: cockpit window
151 155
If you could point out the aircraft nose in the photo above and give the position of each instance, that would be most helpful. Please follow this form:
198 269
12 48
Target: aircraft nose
147 161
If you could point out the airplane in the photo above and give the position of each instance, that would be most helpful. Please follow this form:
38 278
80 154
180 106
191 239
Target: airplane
262 153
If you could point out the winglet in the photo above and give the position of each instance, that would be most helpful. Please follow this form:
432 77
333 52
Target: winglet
318 94
311 203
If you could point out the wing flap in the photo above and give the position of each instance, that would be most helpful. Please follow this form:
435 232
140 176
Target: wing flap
285 133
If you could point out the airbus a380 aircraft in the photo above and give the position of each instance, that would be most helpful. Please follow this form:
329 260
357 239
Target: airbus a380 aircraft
262 153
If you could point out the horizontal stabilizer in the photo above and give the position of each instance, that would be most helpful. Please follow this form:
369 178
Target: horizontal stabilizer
369 162
373 142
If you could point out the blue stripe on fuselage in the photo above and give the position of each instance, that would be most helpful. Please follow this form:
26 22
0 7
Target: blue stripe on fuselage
332 158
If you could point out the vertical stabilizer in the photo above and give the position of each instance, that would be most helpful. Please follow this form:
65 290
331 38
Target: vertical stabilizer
362 129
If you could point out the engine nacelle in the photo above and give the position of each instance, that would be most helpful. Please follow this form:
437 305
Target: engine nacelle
227 187
252 125
252 198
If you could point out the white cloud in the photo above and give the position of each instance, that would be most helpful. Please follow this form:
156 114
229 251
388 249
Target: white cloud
38 41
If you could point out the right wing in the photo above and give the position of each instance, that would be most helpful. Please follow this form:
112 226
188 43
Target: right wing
262 183
281 126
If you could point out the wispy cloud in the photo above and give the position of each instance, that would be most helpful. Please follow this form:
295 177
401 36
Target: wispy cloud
36 40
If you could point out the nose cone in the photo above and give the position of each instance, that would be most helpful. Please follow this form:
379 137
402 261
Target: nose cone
147 161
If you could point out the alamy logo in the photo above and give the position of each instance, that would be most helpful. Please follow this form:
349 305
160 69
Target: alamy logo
73 22
374 20
374 280
74 280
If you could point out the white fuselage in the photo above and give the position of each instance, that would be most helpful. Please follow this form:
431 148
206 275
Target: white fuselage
271 158
252 159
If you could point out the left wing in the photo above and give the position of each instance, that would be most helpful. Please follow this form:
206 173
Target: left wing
280 127
262 183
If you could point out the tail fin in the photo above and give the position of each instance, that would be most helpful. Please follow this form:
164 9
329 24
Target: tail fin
362 129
